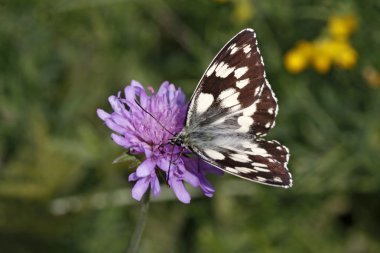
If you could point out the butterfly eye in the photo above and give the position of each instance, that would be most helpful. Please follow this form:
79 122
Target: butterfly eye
176 141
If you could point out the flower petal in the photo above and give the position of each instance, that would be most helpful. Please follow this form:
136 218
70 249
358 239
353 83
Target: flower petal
130 95
145 168
155 184
122 121
116 105
181 98
102 114
139 89
135 83
163 88
163 164
180 191
206 187
140 188
113 126
120 140
133 177
190 178
144 99
171 93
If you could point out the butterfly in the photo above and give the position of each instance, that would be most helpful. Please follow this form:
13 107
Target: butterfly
232 108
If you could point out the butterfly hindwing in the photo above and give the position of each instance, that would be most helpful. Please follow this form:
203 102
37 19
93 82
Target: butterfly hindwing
260 161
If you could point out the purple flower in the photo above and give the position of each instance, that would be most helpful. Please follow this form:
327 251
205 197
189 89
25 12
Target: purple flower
139 132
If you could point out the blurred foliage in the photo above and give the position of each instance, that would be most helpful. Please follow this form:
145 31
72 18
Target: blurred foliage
60 60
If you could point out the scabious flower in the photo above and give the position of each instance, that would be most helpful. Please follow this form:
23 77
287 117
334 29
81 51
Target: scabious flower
140 133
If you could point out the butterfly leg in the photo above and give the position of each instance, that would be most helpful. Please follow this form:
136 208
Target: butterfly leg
170 163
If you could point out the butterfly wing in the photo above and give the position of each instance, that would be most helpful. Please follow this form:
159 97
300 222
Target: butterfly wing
235 85
232 106
260 161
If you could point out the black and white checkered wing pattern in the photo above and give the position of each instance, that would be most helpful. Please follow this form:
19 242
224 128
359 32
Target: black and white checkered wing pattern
235 85
261 161
232 107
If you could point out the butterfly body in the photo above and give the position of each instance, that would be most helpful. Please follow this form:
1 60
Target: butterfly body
231 109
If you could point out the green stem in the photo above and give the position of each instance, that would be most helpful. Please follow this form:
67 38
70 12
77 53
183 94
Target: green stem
136 238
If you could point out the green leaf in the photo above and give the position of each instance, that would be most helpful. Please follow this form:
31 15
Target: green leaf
131 160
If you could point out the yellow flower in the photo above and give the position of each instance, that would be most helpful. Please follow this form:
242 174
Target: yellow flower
345 56
326 51
298 58
322 58
340 27
341 52
243 11
322 63
295 61
306 48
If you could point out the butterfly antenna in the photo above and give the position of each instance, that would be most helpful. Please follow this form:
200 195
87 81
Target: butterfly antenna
154 118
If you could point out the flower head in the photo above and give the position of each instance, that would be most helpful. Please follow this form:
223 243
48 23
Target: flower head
326 51
150 133
341 27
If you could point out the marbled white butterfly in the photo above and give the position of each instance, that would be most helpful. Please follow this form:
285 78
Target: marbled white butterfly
232 107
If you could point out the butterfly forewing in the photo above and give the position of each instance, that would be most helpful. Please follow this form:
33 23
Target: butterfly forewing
233 86
231 108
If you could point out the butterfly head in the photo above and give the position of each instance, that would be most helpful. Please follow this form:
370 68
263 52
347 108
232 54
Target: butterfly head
181 139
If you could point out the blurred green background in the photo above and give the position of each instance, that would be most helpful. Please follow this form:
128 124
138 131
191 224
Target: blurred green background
60 60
